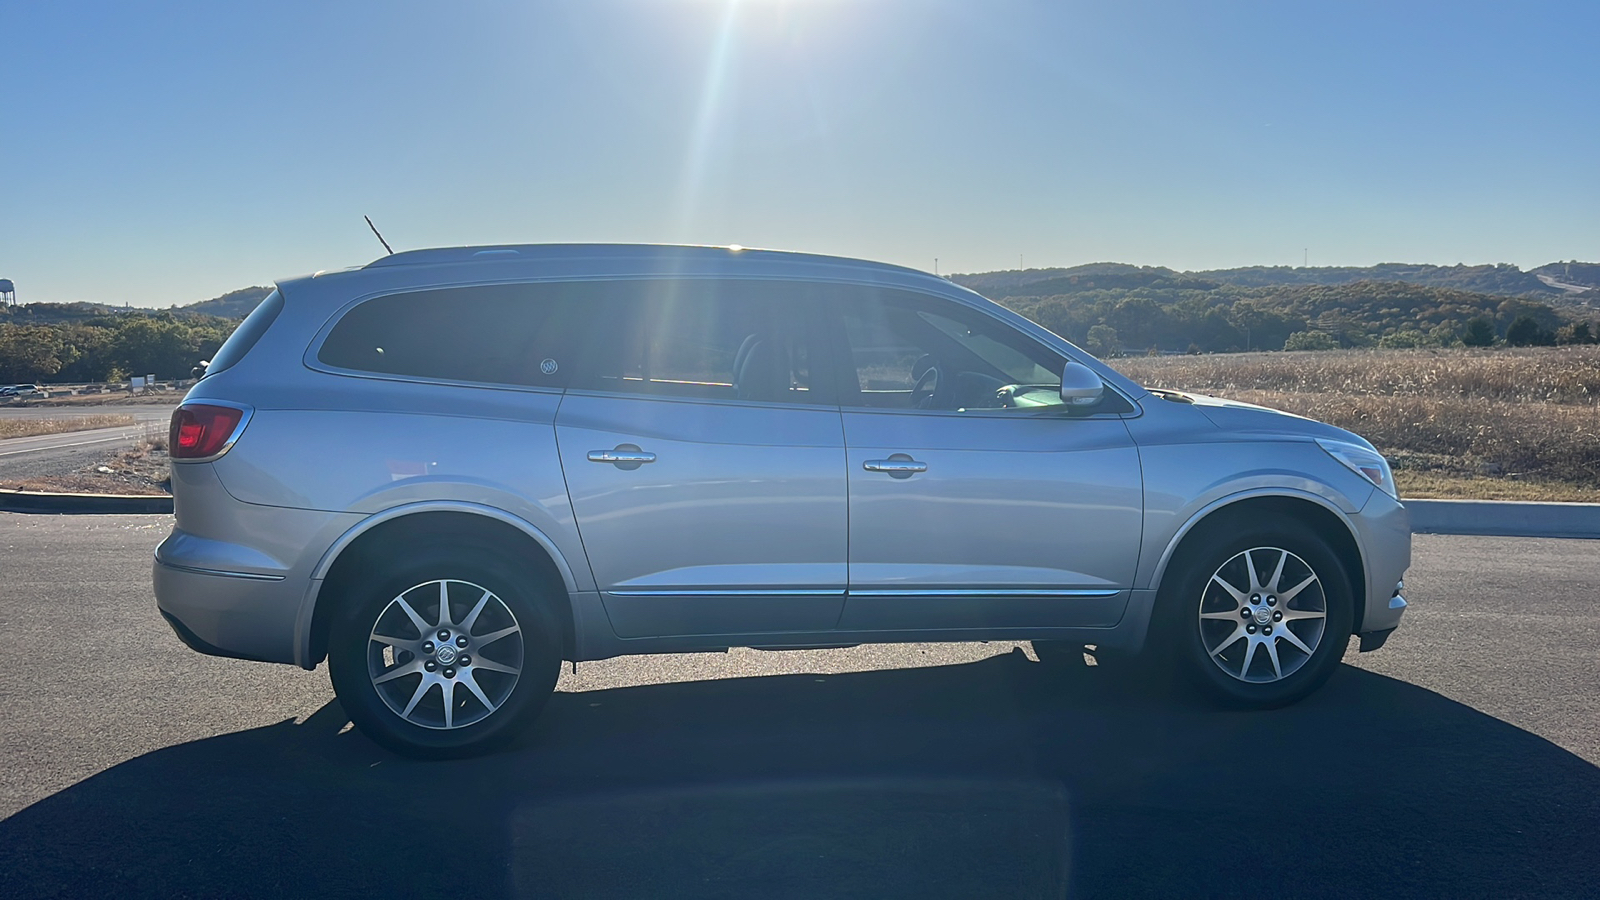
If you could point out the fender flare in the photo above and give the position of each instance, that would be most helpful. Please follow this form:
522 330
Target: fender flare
308 604
1160 572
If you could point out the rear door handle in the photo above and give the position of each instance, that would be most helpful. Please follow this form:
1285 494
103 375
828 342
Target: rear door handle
624 456
898 465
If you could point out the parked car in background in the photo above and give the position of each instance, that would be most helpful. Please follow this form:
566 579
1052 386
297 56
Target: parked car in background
452 469
21 390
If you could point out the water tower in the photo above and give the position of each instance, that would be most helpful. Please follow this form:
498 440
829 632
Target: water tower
8 292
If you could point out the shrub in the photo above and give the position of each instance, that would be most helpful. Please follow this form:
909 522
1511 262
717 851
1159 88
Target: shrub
1310 340
1479 333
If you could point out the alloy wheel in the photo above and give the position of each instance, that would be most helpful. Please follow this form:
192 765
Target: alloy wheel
445 654
1262 615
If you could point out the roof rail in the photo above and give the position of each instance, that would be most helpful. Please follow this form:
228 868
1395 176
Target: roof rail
530 252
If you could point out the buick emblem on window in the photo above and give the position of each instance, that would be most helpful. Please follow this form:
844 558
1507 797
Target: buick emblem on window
548 367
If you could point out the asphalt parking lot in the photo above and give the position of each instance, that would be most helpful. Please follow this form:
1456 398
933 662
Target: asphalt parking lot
1461 760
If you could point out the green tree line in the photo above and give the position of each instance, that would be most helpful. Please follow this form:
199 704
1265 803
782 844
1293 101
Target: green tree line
107 348
1212 318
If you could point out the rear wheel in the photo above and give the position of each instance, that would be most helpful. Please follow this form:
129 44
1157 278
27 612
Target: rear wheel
1258 618
448 655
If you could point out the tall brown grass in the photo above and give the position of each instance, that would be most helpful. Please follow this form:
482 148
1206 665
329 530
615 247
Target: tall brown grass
1533 374
1508 414
13 428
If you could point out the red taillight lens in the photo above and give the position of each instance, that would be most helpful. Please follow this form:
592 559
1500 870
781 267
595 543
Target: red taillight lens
199 430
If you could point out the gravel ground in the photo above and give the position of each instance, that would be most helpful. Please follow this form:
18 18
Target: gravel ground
137 469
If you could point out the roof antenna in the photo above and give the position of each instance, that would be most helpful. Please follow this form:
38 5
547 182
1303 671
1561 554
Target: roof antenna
380 237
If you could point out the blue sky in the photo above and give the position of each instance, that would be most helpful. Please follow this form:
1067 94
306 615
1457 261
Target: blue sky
166 153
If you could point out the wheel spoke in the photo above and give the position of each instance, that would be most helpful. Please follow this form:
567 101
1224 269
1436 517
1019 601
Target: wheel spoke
422 626
1272 654
1231 615
1250 566
1229 642
1293 592
422 690
1294 639
1272 586
491 665
472 617
410 668
447 688
444 604
1235 593
398 642
1249 654
1295 615
472 685
493 636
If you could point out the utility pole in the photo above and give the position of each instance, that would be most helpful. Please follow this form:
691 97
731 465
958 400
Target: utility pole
936 265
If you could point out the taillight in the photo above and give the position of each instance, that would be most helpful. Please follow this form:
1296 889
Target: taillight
202 431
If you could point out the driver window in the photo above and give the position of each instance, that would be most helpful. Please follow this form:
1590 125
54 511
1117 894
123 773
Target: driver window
911 352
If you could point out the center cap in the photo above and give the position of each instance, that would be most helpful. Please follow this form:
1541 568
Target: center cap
446 654
1263 616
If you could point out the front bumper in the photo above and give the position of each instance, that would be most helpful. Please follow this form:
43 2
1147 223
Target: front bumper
1384 529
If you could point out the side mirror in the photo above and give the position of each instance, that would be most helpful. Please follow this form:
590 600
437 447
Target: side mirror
1080 386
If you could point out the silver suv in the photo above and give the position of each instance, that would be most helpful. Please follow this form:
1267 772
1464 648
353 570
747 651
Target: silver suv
450 470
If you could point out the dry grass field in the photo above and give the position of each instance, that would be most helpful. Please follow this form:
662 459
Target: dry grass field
1506 424
15 428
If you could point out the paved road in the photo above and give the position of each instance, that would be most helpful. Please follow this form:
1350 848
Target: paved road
1459 761
97 437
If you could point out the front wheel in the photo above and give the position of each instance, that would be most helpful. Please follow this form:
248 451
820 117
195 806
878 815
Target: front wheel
447 656
1260 618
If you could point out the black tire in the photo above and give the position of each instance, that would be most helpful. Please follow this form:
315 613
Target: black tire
1213 652
356 658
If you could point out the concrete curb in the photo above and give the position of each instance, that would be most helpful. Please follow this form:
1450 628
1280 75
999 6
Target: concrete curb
1506 518
90 504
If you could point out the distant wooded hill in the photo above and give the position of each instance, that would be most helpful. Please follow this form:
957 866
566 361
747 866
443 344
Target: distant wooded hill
1502 279
1112 307
1580 274
232 305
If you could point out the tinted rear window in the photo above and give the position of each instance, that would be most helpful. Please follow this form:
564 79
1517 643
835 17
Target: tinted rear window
249 331
519 334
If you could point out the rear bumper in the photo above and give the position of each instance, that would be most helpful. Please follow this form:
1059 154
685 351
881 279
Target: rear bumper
234 614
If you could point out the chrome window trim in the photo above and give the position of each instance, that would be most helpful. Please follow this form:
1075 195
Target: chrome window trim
710 401
724 592
980 593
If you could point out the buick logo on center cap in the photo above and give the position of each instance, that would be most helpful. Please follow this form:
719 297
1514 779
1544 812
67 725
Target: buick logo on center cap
447 654
1263 616
548 367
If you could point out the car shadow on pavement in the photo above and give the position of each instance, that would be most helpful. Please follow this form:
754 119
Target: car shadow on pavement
1002 777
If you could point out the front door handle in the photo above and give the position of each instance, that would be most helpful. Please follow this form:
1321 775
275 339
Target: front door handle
625 456
898 465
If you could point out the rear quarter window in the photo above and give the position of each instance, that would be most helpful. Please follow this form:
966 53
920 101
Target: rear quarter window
245 336
516 334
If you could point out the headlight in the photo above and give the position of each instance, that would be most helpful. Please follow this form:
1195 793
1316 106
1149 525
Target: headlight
1363 462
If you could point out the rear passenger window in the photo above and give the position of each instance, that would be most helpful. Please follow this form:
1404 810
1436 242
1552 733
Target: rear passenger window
705 339
517 334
